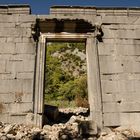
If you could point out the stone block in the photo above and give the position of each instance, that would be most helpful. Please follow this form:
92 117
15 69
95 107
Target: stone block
127 34
29 65
128 49
27 86
17 118
9 18
120 106
131 120
4 117
2 39
10 86
111 119
4 97
25 48
16 32
21 57
4 108
120 76
27 40
7 25
121 97
27 18
25 75
7 48
26 25
120 41
109 86
14 39
110 66
121 26
128 120
119 19
106 49
7 76
15 66
22 97
131 67
17 108
27 97
2 66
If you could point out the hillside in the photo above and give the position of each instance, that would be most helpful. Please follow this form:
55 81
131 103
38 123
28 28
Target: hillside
65 74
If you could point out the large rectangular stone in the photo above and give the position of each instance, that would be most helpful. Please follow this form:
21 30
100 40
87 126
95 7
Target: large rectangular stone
129 120
4 117
118 49
25 75
22 97
27 86
7 76
110 66
120 20
131 67
120 76
27 48
20 66
120 41
2 66
128 34
111 119
7 25
4 108
29 65
20 57
27 18
3 39
17 118
7 48
20 107
10 86
121 26
18 31
121 106
121 97
9 18
109 86
14 66
4 98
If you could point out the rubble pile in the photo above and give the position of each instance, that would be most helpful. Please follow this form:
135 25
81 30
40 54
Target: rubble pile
74 129
62 131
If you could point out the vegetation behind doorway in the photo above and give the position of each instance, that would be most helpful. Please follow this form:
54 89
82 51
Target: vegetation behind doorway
66 75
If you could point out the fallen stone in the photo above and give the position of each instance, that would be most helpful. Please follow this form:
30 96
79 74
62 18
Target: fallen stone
8 128
4 137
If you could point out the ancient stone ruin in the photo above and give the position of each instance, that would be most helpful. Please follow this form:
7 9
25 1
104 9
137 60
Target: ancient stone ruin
112 37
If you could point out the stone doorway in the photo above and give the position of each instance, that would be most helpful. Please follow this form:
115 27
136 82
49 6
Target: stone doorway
65 85
93 78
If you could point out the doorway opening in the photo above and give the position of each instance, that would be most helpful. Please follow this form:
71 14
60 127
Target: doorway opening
65 86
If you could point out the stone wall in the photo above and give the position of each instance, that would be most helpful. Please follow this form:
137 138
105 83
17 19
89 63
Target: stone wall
119 60
17 59
118 55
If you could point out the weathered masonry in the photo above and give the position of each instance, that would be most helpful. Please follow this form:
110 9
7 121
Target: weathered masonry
112 37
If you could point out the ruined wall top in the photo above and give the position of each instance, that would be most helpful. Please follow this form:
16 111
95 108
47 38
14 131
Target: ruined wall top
11 9
86 10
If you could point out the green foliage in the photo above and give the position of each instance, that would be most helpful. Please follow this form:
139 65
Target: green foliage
60 84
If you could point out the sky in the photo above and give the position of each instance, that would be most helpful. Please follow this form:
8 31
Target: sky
42 6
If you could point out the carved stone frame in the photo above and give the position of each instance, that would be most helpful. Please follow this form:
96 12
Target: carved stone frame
94 87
